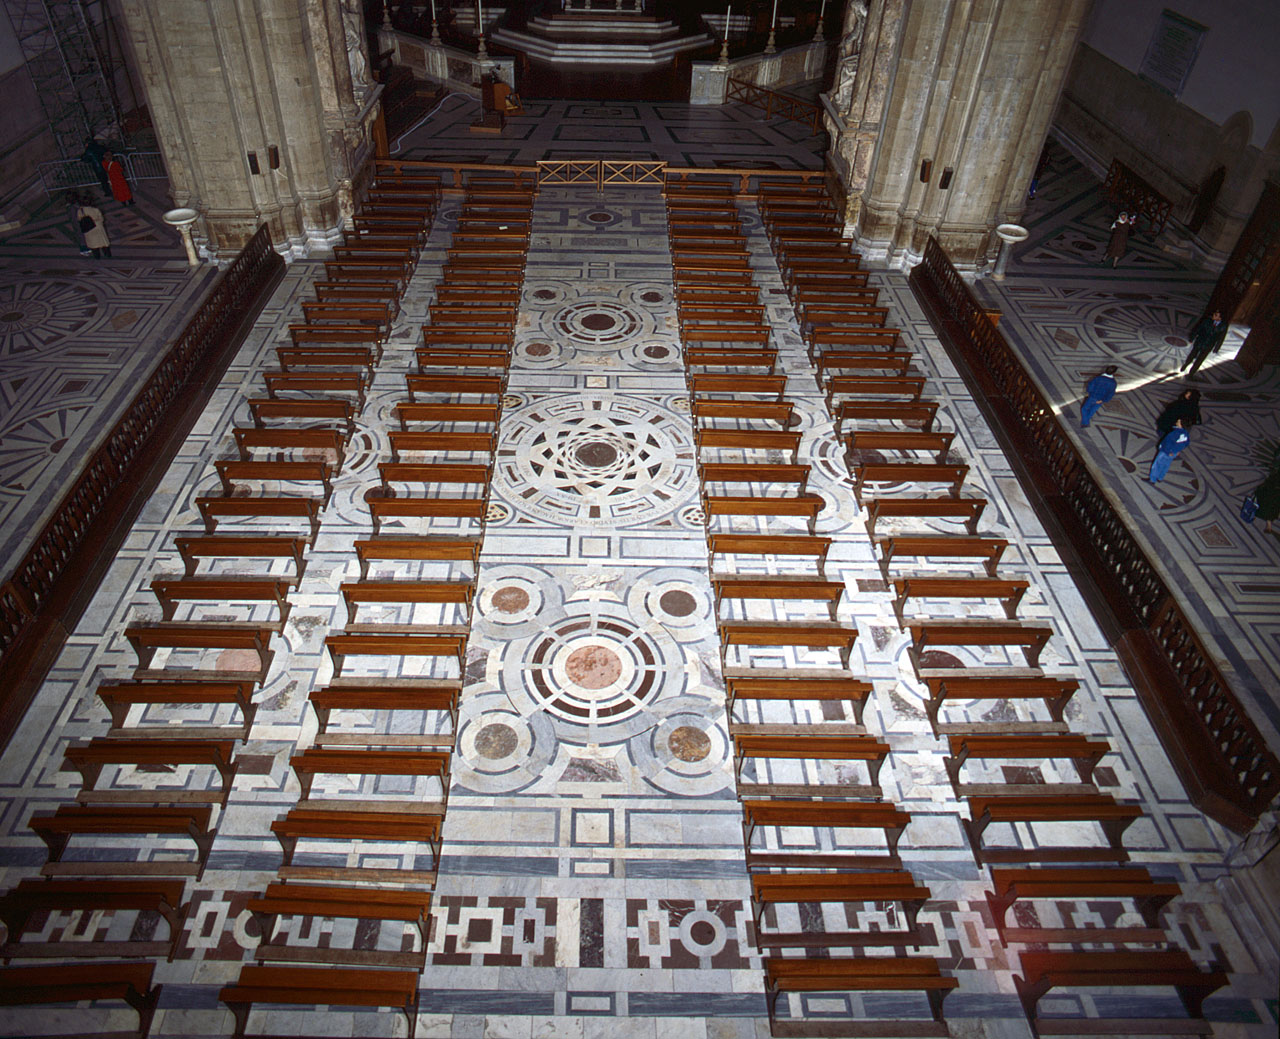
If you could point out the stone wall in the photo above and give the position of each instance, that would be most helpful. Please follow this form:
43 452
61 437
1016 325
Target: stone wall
1108 112
25 141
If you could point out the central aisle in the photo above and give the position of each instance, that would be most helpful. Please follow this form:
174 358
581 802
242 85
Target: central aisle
594 837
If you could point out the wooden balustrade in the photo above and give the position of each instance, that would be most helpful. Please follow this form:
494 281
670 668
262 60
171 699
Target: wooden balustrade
1218 752
54 580
773 103
1131 193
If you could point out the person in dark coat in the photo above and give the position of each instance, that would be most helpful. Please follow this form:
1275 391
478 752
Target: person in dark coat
1206 337
92 156
1268 495
1186 407
1118 244
74 201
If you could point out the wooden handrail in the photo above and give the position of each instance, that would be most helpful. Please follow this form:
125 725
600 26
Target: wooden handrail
773 103
1128 191
1218 752
55 579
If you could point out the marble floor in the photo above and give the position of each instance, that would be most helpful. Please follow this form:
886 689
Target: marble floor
592 881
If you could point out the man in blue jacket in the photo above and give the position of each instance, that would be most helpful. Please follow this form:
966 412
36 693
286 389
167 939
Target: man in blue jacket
1171 445
1101 388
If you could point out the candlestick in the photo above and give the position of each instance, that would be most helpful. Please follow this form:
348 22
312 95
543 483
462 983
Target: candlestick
817 36
724 46
771 46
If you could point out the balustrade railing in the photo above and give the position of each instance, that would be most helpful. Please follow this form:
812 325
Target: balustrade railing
1200 720
41 601
1130 193
772 103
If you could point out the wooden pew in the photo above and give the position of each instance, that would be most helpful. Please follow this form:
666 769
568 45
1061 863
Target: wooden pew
778 589
757 473
904 441
1081 883
130 982
468 335
316 986
701 385
907 386
386 694
436 357
291 359
317 382
810 747
798 687
250 439
232 472
454 593
439 412
204 635
193 548
500 295
342 825
865 974
329 410
923 412
1110 815
444 643
172 590
118 697
379 312
1083 752
383 508
803 506
899 886
446 549
446 442
212 508
784 441
387 292
811 634
1031 639
95 895
907 472
863 815
897 361
715 357
316 761
1008 591
1043 972
56 828
1055 692
781 412
90 758
967 510
790 545
336 902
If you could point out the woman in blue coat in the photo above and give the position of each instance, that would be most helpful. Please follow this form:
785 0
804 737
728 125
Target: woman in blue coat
1172 444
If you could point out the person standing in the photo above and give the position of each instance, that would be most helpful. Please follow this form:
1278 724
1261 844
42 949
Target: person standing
1171 445
1185 407
1118 244
74 202
92 156
95 230
1206 338
1268 495
120 190
1100 389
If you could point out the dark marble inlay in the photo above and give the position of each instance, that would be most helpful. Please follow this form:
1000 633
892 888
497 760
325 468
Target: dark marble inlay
593 667
496 741
651 297
598 322
538 349
657 353
544 294
597 454
591 934
678 603
689 744
510 600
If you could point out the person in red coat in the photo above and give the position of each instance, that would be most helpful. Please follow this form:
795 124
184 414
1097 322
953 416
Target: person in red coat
115 174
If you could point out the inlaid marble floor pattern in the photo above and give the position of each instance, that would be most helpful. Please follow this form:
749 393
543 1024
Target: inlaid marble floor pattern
592 882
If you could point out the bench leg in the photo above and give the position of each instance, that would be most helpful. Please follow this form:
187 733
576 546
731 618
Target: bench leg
145 1004
240 1011
936 996
1029 994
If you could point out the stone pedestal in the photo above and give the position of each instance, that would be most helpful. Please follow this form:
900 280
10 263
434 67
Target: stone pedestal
1009 235
182 219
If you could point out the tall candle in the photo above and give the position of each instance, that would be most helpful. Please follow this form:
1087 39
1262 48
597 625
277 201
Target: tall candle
773 18
433 8
480 17
728 13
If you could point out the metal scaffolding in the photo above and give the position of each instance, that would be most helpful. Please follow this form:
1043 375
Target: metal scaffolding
68 57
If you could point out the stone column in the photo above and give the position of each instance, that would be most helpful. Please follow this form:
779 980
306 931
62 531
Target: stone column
962 85
285 80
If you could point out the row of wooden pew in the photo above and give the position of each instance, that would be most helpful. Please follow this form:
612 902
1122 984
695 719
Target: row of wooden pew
749 468
427 513
896 457
269 502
